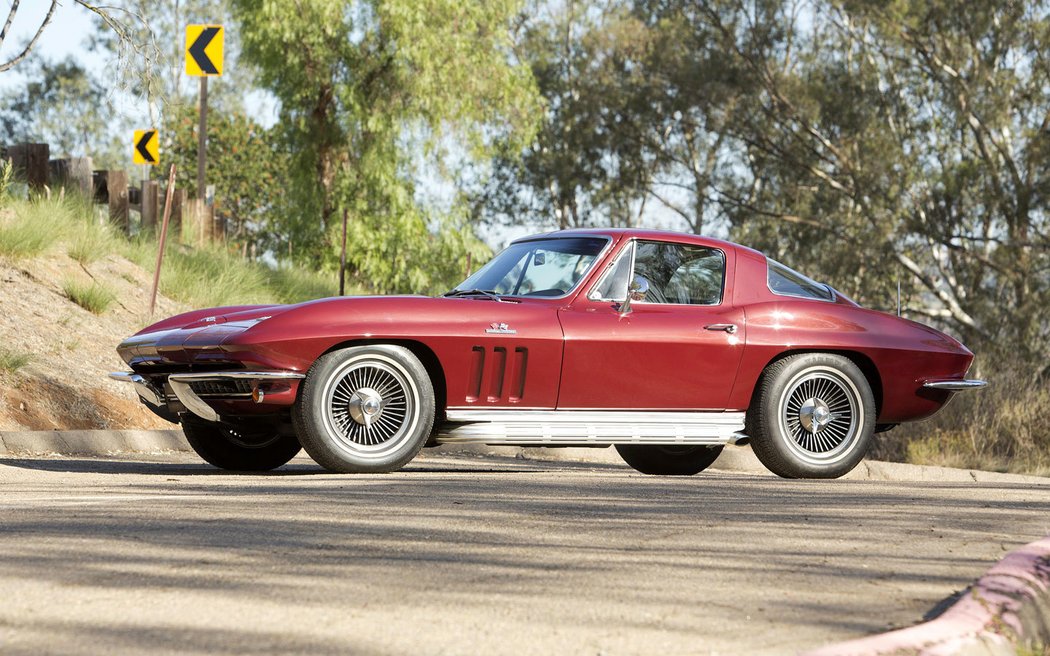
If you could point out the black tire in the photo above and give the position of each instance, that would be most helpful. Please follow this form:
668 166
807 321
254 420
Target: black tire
239 449
802 392
365 409
660 460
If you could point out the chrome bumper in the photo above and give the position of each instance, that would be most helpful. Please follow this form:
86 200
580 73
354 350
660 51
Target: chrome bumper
143 387
955 385
180 386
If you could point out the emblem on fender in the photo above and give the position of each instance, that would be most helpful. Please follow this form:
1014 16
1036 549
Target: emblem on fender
497 328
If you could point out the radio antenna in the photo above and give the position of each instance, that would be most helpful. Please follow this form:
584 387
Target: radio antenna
898 296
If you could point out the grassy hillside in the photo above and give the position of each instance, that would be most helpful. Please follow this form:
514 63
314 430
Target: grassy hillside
195 276
71 288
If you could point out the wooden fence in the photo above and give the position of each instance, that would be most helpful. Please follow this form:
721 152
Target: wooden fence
192 220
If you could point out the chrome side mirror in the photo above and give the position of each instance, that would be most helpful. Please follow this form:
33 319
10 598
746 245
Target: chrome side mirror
635 292
638 288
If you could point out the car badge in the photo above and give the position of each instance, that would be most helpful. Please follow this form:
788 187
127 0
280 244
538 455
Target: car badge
497 328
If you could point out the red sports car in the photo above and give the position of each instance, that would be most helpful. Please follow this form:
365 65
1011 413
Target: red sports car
667 346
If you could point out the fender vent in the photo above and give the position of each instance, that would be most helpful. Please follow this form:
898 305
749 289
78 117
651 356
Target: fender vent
496 375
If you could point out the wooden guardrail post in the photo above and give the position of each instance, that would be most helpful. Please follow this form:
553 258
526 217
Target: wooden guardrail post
74 173
177 201
150 204
30 162
111 187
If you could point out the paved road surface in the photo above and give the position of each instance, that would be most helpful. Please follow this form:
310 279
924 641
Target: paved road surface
475 555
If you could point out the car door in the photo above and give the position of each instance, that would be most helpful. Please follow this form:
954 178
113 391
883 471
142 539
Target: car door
677 346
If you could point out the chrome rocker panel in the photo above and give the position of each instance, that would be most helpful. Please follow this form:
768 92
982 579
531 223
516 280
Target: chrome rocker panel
590 428
955 385
180 386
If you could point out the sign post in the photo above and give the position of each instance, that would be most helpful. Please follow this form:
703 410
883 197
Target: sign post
203 60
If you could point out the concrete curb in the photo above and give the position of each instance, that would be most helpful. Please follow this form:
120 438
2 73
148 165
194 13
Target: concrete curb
733 459
1006 609
91 442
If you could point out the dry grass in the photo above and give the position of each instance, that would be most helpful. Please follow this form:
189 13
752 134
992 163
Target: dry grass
94 298
1004 427
12 361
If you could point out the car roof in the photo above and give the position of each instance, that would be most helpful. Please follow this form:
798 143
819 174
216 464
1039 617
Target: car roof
639 233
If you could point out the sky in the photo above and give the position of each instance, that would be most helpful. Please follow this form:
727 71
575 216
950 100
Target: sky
65 36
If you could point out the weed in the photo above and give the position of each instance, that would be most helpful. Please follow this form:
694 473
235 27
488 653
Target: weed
93 297
12 361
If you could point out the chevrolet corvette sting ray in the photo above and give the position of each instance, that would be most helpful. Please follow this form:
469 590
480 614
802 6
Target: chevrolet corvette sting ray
667 346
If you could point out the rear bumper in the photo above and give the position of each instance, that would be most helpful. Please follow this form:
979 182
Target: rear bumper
181 387
955 385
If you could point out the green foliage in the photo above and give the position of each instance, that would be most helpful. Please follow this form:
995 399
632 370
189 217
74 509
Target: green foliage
93 297
62 104
365 91
244 164
12 361
214 276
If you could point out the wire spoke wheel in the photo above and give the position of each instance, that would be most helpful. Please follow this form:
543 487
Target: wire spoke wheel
820 412
369 406
365 409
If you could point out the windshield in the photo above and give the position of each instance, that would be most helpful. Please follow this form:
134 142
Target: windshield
541 267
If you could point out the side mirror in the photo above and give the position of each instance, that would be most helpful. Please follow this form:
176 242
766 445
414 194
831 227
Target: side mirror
638 288
635 292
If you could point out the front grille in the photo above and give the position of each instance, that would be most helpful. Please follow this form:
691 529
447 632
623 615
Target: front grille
222 387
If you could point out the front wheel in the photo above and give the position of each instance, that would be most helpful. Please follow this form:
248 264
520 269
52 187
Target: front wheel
813 416
239 448
365 409
661 460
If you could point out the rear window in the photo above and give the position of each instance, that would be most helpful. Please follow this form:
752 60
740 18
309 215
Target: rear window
788 282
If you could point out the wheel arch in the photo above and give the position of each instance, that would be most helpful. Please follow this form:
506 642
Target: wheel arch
426 356
863 362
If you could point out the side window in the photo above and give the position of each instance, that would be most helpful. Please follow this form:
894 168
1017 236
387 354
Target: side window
613 284
680 273
788 282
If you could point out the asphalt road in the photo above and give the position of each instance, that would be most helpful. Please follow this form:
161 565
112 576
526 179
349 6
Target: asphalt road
478 555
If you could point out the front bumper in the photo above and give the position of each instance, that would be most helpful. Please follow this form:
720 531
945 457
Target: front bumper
181 387
955 385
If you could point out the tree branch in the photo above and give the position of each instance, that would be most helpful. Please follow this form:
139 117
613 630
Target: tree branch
32 42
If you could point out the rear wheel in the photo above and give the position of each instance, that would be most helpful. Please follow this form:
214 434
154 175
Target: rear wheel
813 416
365 409
668 460
239 448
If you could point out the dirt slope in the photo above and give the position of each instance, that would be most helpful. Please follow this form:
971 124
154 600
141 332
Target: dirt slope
64 386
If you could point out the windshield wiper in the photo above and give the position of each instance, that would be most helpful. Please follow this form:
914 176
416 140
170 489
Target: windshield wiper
488 293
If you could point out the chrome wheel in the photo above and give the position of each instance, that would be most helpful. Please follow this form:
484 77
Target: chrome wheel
820 412
369 406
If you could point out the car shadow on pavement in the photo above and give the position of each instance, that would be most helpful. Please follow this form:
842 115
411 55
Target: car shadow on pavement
303 468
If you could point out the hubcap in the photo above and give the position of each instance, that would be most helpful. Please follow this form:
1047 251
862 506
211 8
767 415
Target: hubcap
366 406
820 415
814 415
369 407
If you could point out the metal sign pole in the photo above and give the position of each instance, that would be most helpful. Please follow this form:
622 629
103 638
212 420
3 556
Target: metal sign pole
163 238
202 138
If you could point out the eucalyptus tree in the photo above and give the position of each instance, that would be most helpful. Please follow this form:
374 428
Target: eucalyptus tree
370 95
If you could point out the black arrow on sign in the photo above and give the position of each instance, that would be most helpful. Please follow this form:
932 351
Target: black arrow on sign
197 50
141 145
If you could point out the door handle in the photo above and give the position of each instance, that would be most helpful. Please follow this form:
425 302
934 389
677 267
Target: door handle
725 327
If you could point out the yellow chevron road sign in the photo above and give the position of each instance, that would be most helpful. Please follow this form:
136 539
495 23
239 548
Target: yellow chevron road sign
147 147
204 50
